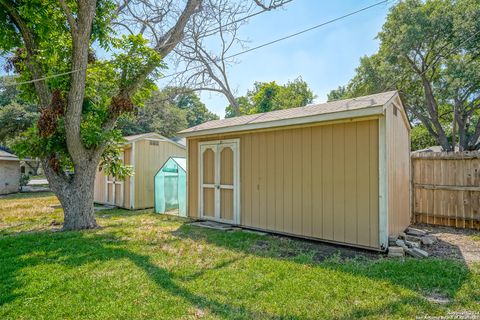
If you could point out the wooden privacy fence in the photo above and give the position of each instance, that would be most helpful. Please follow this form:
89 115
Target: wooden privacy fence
446 188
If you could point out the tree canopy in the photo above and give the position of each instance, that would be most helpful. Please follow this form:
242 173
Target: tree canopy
430 52
167 112
16 115
269 96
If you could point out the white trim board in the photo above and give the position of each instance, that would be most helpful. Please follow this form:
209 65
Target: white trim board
132 177
383 184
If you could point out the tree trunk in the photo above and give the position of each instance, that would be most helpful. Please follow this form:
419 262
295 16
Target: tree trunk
432 108
76 194
77 203
462 133
454 127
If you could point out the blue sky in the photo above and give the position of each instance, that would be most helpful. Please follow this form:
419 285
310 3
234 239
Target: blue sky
325 58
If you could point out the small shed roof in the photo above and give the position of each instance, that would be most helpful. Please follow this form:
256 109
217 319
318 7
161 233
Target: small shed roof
5 155
341 109
151 135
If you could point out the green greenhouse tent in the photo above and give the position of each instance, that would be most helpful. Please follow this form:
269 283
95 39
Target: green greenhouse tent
171 186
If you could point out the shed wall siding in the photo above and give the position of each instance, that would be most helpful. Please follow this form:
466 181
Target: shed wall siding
99 195
9 176
317 181
148 160
398 162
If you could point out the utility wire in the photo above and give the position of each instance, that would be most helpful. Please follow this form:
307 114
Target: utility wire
77 70
282 38
233 55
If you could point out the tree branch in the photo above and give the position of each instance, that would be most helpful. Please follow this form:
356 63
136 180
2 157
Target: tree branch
68 13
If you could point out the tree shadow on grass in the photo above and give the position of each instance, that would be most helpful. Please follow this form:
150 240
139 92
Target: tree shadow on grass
27 195
79 248
424 276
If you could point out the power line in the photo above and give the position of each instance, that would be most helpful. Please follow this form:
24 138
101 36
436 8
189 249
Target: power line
77 70
238 53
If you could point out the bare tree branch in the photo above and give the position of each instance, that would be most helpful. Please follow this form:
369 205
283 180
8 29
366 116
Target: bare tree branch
215 27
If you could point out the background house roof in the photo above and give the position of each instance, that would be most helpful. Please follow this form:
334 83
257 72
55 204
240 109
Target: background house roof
5 155
274 118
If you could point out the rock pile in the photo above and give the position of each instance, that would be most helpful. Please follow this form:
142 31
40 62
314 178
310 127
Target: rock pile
410 242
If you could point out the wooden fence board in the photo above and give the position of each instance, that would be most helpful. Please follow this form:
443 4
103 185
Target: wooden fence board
446 189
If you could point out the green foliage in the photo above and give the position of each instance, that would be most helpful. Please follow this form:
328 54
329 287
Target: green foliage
16 115
196 111
24 179
427 44
244 107
167 112
112 163
134 60
264 98
14 119
421 138
269 96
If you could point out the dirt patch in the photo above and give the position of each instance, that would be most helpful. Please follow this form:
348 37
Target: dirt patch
438 298
286 247
458 244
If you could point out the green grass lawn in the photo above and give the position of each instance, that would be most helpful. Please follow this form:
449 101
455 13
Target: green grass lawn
147 266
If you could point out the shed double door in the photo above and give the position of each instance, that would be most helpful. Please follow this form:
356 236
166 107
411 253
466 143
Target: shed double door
219 181
114 191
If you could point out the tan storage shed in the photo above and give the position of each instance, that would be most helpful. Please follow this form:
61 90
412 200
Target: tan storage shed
146 153
337 171
9 172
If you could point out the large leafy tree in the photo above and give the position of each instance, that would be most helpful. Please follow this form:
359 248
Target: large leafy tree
270 96
52 47
430 52
78 112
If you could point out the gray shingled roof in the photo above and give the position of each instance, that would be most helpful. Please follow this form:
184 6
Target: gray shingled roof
268 118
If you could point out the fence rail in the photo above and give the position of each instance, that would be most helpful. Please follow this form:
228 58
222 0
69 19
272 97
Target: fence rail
446 188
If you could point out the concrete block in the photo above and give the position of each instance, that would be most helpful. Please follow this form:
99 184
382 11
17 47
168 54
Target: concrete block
417 253
429 240
401 243
415 232
392 239
412 244
396 251
413 238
